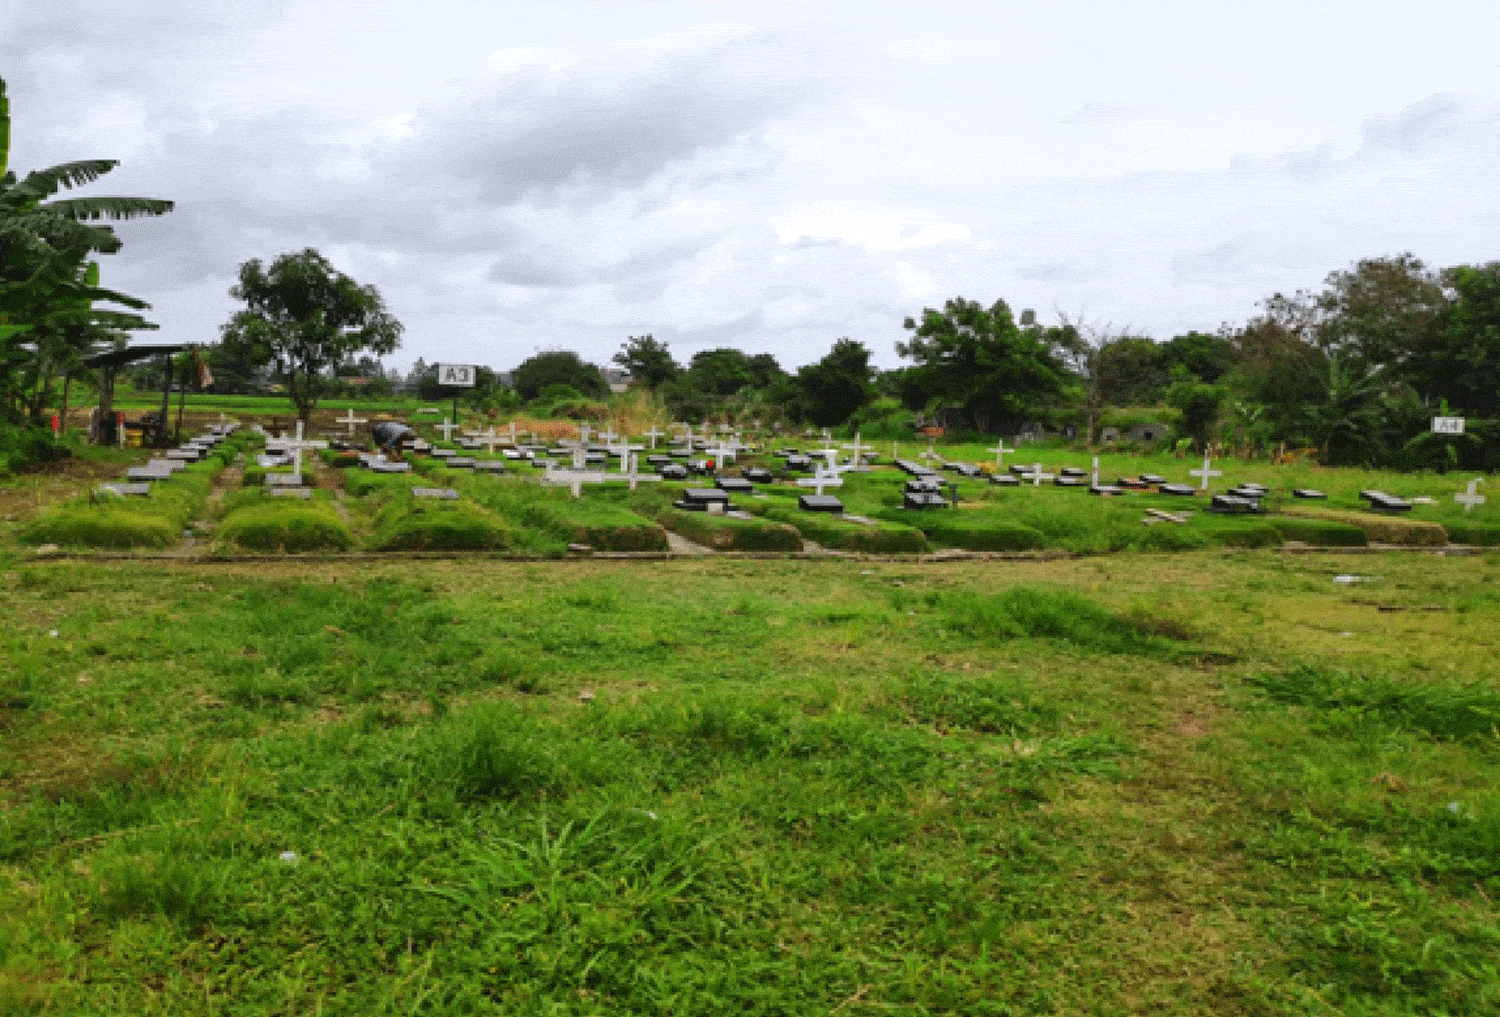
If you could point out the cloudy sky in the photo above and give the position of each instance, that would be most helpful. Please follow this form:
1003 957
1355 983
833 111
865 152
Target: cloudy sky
519 176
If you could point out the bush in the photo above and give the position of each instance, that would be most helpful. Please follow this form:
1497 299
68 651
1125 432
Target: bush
725 534
285 526
1477 534
24 447
1326 532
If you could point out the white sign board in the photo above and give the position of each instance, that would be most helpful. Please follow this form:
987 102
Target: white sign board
456 375
1447 425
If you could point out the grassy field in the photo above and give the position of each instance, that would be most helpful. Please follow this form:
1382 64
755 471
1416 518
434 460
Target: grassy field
1215 782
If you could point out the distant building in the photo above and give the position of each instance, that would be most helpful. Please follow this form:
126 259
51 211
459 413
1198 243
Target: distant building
617 379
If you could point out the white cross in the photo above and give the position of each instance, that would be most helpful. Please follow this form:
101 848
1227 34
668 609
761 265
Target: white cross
858 449
623 449
653 434
633 476
820 480
583 432
580 458
512 432
1205 473
489 440
721 453
895 451
688 435
1037 476
1096 471
349 421
446 428
999 451
1469 499
571 479
931 452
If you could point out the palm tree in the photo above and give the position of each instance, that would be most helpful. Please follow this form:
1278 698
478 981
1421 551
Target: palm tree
48 282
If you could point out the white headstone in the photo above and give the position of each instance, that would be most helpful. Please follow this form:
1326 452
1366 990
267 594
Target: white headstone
820 480
1096 471
1037 476
349 420
999 450
636 477
447 429
653 434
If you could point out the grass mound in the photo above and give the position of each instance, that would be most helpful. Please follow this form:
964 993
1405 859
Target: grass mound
1476 534
724 534
1325 532
972 531
603 525
438 526
114 524
285 526
840 534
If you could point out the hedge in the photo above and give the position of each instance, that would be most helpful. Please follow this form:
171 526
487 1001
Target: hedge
1326 532
1475 534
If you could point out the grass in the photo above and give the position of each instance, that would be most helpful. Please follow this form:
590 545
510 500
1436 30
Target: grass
1208 783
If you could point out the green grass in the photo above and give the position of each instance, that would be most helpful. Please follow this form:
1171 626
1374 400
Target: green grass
283 525
724 534
1210 783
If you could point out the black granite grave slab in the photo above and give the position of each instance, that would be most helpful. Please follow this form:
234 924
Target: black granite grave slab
819 503
443 453
658 460
759 475
1133 484
1382 502
1005 480
148 473
1069 482
1153 478
1073 471
967 470
802 463
1247 491
919 500
1105 490
389 467
461 463
673 471
1308 493
138 490
491 466
735 485
925 485
1020 470
1180 490
1229 504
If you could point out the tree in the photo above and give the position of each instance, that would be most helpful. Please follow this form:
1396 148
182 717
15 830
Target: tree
302 316
973 362
831 390
1465 367
1207 357
48 282
648 360
558 367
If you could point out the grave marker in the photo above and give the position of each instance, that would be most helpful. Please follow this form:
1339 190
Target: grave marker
349 421
653 434
1037 476
820 480
1205 473
447 429
1000 451
1469 498
635 477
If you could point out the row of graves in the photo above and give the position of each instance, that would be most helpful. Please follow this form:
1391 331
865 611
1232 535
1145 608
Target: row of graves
138 479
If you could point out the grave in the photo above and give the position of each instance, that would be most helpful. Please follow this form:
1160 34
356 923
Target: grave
1308 493
759 475
1386 503
185 454
1153 478
1468 499
630 471
820 480
1005 480
283 480
126 490
1105 490
1070 482
491 466
291 492
1073 471
819 503
443 453
170 465
800 463
148 473
349 420
1205 473
1133 484
673 471
1178 490
1229 504
704 499
439 493
388 467
1248 491
1036 476
923 485
735 485
967 470
461 463
921 500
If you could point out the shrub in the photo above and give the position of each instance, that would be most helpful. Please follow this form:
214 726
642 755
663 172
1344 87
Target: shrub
23 447
1478 534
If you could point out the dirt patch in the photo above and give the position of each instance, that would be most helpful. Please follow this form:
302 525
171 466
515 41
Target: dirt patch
38 489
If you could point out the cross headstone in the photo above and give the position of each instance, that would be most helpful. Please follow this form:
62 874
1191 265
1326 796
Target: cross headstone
688 437
348 421
858 449
1468 499
653 434
1205 473
446 427
512 432
623 449
584 431
999 451
489 440
635 477
1037 476
931 452
1096 471
573 480
820 480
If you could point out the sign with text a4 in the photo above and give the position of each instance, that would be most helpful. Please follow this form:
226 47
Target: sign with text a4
1447 425
456 375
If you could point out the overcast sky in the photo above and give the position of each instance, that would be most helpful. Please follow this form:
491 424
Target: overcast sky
771 176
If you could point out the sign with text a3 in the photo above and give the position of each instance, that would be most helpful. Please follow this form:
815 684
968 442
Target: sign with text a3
1447 425
456 375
